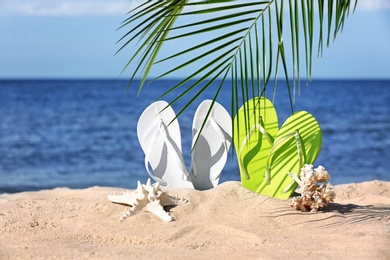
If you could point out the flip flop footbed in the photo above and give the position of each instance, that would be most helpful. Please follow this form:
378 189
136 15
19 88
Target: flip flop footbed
211 140
160 139
285 158
252 146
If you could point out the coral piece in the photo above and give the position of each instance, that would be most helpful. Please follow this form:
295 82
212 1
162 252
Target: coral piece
149 198
313 197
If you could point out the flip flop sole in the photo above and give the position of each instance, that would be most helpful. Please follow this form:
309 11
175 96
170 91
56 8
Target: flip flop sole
285 157
165 158
211 144
253 150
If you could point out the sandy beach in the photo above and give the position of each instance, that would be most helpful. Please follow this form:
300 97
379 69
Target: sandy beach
228 222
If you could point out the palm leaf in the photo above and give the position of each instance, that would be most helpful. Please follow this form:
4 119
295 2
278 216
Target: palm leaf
238 41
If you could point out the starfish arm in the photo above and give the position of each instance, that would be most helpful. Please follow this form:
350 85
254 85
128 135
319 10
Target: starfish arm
166 200
155 208
126 198
126 215
133 210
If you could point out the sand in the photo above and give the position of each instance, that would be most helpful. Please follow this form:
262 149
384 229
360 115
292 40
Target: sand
228 222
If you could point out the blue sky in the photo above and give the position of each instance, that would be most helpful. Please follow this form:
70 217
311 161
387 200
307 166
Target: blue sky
76 39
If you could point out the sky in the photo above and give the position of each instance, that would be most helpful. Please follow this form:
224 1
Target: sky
77 39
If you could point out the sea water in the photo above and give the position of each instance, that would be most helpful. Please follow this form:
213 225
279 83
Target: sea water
82 133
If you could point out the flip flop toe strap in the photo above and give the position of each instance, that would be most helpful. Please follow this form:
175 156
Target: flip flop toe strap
258 126
224 138
161 130
298 141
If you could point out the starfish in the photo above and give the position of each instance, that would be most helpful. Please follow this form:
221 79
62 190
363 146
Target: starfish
147 197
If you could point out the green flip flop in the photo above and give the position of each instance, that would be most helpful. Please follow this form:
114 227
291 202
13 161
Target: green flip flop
297 143
254 131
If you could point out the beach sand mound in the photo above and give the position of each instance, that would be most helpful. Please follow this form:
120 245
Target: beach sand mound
228 222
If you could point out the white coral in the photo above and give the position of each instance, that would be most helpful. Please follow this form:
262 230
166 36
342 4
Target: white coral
313 197
149 198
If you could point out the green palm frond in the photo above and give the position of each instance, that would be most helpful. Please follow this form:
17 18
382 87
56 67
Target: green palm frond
242 41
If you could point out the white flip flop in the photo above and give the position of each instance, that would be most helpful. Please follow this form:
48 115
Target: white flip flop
210 145
160 140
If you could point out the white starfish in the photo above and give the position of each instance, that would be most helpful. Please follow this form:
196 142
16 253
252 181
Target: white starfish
149 198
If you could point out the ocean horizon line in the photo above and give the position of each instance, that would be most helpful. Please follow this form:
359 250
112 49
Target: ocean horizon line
170 79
